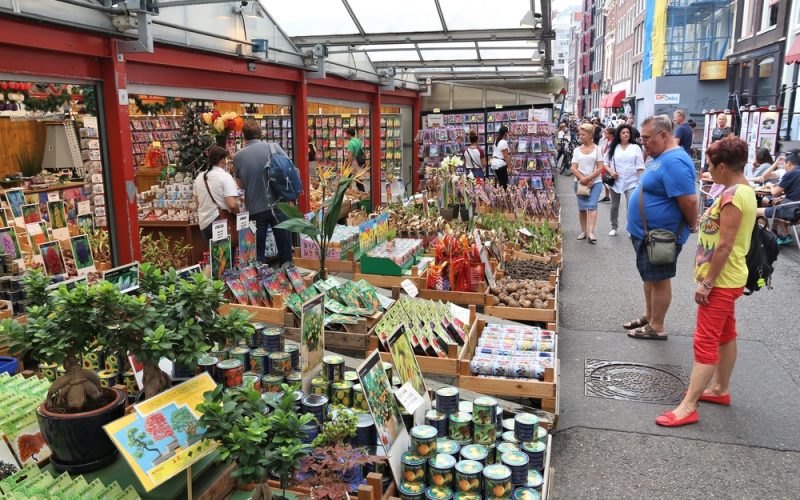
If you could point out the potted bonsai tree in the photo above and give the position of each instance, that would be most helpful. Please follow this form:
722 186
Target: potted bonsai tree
178 319
329 470
61 327
323 223
258 442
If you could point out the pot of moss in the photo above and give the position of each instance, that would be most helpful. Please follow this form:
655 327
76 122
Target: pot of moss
61 327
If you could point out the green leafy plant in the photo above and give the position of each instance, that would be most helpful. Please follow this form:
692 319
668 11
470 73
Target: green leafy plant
258 444
101 249
323 223
28 164
163 252
336 431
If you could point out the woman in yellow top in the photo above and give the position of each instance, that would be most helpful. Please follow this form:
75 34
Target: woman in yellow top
721 272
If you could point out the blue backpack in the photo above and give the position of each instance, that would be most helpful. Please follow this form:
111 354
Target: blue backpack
283 178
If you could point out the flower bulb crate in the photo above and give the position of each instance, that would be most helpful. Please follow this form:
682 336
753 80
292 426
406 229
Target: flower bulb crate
477 298
547 315
275 314
344 264
354 339
544 390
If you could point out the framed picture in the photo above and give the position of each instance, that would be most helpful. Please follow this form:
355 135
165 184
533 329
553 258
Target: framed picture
58 219
30 213
52 258
85 223
126 277
82 253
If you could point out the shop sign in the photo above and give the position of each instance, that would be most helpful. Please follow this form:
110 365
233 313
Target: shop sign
668 98
713 70
435 120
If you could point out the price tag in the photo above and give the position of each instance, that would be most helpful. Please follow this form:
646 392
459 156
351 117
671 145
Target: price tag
410 287
242 220
487 268
385 301
409 397
84 207
219 230
477 236
53 196
460 313
252 225
525 232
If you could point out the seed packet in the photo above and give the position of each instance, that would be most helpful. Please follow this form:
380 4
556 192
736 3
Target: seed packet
340 319
349 295
286 285
296 279
295 303
308 294
254 293
270 282
113 491
238 290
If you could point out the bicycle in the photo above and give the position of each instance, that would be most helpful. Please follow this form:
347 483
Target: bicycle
566 158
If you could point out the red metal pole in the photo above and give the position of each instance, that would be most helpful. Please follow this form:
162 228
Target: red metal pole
301 142
124 224
416 122
375 150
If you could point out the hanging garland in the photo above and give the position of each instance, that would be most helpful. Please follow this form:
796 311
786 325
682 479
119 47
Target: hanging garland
169 105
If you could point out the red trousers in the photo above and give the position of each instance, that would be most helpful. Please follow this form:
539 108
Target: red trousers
716 324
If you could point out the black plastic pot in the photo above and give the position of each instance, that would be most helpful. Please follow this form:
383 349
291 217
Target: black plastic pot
77 440
464 213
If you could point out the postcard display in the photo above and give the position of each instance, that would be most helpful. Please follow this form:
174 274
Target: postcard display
760 128
147 129
391 152
330 139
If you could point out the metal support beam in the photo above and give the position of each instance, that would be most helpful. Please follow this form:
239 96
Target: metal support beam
441 15
427 37
438 77
353 17
458 62
548 34
350 50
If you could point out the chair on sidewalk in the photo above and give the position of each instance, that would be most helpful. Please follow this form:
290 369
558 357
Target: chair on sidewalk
709 192
789 217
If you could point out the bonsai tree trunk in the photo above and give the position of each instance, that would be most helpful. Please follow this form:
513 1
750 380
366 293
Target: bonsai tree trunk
154 380
262 491
75 389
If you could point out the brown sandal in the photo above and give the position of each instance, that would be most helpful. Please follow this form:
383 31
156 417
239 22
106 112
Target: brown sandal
647 333
637 323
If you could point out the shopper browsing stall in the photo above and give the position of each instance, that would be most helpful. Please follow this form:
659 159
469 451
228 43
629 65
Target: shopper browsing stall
249 169
721 273
500 157
216 191
625 164
587 165
474 157
355 152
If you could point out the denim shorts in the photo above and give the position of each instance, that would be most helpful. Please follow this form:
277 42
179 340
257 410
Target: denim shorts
589 202
648 271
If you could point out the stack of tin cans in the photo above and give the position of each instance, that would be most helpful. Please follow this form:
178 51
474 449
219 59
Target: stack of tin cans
513 351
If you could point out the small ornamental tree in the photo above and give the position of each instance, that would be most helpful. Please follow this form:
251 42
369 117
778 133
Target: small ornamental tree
158 428
193 142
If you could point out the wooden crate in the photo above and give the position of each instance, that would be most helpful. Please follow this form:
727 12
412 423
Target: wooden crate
346 265
419 278
547 315
520 388
458 297
274 315
547 473
430 364
355 338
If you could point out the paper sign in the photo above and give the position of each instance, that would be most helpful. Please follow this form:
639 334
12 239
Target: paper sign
487 268
219 230
408 397
477 236
84 207
460 313
525 232
242 220
385 301
252 225
410 287
53 196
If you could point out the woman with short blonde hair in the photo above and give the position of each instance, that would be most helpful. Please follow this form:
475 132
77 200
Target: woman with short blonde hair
587 165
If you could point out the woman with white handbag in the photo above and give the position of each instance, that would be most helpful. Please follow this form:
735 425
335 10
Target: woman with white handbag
587 165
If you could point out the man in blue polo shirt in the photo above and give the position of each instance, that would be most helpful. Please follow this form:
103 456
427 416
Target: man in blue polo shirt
683 131
670 202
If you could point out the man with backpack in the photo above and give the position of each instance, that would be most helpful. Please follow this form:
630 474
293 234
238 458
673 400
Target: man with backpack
355 152
253 167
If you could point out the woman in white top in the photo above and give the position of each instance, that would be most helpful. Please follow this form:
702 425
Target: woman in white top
500 158
587 165
474 157
625 163
215 191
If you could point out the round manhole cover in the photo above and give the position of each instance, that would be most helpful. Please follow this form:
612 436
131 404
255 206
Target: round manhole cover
634 381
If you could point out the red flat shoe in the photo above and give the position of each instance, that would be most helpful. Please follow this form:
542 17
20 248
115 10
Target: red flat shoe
668 419
717 400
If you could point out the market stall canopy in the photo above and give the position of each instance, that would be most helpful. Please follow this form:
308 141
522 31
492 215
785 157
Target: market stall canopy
613 100
437 39
793 56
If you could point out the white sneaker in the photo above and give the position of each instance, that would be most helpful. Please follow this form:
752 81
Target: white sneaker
613 232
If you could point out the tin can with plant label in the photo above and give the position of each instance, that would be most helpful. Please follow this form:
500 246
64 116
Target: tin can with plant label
438 420
535 480
208 364
359 400
107 378
242 354
496 481
294 352
342 393
231 372
320 386
91 361
315 404
412 467
281 363
491 455
441 470
294 378
253 380
541 433
333 368
517 461
438 493
475 452
259 361
256 338
484 434
535 451
129 379
366 432
271 383
111 362
447 446
412 491
351 376
484 410
220 354
505 447
48 371
447 400
525 493
466 496
423 441
468 476
273 339
460 428
508 436
525 426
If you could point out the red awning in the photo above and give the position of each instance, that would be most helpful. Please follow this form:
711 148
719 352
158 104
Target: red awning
613 100
793 56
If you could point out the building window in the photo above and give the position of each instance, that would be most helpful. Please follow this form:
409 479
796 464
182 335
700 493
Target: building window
769 14
695 32
765 82
748 6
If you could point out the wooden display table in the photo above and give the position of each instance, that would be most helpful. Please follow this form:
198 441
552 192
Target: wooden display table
49 189
147 177
179 231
